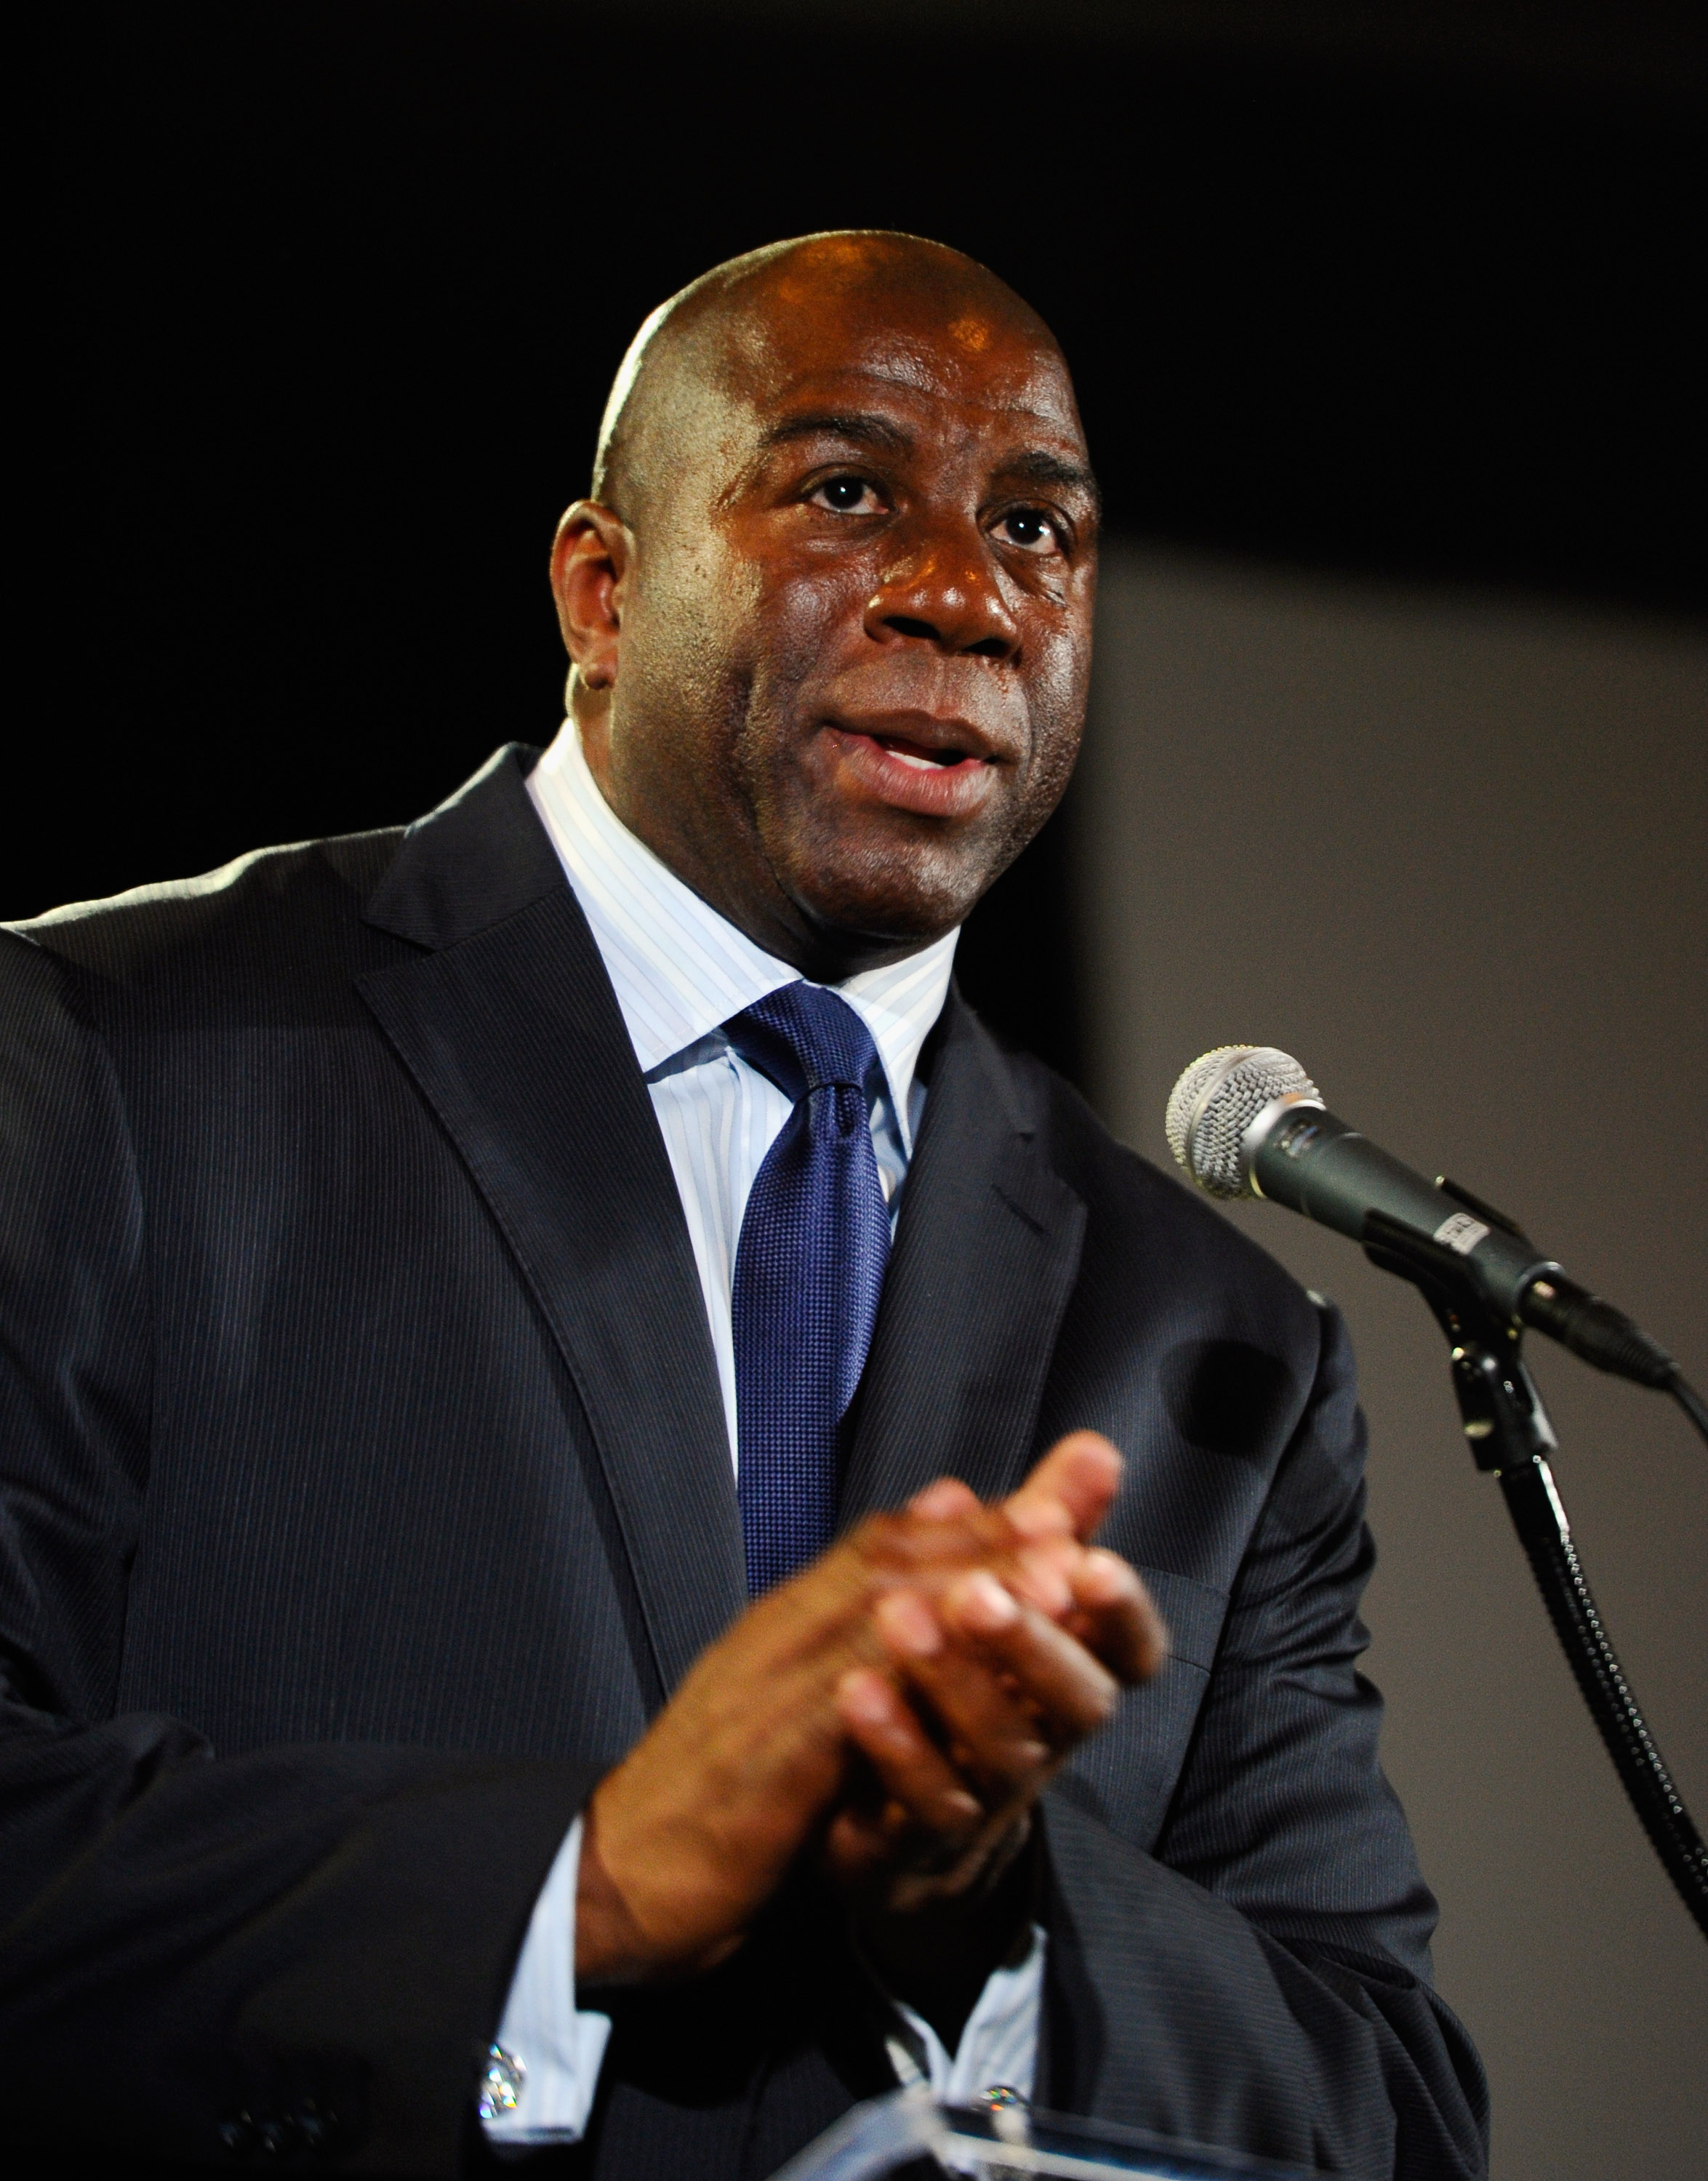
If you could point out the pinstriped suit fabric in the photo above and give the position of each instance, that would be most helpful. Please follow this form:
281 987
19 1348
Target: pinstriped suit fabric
366 1480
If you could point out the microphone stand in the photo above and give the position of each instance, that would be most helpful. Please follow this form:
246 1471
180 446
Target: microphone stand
1511 1439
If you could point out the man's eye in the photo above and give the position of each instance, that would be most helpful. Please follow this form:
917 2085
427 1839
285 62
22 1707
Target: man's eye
848 495
1032 529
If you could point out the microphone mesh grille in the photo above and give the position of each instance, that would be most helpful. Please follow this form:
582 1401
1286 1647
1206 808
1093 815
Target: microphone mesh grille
1217 1100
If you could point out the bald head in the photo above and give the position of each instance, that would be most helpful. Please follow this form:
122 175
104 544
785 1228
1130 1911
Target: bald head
829 606
727 327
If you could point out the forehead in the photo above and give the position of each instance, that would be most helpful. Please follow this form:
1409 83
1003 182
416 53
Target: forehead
960 368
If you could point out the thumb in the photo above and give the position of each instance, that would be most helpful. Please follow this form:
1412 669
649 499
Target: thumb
1070 1490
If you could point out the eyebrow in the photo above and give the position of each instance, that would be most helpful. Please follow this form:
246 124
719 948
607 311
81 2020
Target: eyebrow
1036 466
842 424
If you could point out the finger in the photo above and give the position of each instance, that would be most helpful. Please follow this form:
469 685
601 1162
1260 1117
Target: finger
1070 1490
945 1531
861 1845
1041 1574
911 1771
946 1500
944 1527
993 1738
991 1723
1113 1616
1069 1693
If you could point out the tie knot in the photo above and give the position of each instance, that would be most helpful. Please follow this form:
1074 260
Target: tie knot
803 1038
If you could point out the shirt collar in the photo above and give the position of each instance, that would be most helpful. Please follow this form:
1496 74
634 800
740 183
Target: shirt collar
679 969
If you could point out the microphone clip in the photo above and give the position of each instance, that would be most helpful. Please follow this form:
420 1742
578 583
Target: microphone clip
1505 1421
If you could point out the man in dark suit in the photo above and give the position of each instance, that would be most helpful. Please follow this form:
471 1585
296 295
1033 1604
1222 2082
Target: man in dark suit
446 1275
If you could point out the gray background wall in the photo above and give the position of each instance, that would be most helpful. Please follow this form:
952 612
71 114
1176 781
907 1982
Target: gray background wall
1452 853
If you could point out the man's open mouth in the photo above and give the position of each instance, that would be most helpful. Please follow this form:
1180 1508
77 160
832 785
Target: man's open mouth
952 779
918 755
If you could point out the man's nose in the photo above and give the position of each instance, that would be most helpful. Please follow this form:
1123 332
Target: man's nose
945 592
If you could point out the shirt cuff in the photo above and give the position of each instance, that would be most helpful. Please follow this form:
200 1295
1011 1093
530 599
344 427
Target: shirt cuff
543 2068
1000 2046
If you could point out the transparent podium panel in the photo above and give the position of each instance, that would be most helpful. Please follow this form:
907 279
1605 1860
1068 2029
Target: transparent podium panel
1004 2142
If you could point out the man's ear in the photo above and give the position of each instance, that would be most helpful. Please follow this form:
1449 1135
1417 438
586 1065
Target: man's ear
590 556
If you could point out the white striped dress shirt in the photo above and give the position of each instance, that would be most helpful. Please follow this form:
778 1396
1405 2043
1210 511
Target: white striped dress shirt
680 971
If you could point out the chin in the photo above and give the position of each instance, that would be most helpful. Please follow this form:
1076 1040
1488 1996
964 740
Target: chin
906 896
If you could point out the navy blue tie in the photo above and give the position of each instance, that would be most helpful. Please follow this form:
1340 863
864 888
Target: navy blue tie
808 1271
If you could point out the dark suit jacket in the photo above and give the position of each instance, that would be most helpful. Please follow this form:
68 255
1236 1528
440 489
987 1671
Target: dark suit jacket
366 1487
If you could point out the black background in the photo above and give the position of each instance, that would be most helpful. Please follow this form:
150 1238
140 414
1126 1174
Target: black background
325 298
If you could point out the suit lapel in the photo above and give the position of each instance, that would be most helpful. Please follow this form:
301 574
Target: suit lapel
987 1248
511 1032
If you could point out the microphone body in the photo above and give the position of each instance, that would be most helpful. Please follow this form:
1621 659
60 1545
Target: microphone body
1247 1121
1315 1163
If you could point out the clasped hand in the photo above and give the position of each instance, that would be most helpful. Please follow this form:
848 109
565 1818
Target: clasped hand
893 1712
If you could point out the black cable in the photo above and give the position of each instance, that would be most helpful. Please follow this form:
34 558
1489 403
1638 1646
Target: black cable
1540 1521
1686 1395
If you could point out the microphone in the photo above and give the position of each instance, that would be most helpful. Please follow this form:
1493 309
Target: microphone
1246 1120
